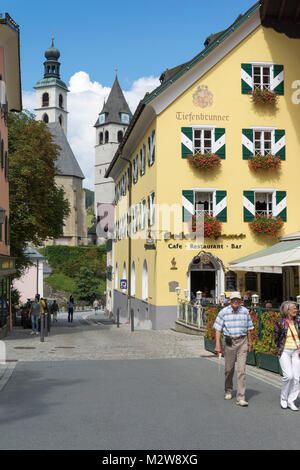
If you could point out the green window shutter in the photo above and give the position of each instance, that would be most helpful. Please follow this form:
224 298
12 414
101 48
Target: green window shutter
247 143
188 208
153 147
186 141
277 83
279 144
219 144
248 204
247 80
221 206
280 209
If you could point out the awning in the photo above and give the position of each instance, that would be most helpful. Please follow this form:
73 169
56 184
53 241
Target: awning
271 259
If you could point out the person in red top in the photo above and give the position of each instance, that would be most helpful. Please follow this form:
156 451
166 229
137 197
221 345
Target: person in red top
288 349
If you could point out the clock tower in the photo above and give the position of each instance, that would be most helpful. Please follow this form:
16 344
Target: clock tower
111 126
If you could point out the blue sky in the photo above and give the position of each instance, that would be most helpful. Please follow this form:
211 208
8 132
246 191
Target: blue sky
94 37
141 38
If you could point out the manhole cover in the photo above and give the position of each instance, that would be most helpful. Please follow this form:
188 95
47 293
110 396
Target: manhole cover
24 347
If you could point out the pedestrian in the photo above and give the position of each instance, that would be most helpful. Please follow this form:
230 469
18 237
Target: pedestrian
35 313
236 324
96 305
288 350
70 310
53 310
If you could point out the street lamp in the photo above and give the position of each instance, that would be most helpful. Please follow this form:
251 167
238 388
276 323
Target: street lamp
255 299
222 298
199 296
186 293
177 290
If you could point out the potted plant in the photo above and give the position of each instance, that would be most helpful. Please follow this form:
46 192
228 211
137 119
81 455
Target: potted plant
251 358
204 161
212 226
264 162
211 313
266 225
265 347
264 96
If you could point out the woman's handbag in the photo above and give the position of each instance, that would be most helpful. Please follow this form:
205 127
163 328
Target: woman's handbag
293 337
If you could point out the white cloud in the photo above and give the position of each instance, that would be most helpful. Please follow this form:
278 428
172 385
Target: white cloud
85 102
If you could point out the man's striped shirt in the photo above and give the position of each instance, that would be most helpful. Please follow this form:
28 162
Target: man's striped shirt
233 324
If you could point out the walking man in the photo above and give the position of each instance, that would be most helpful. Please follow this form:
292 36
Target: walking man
70 309
96 305
35 312
236 324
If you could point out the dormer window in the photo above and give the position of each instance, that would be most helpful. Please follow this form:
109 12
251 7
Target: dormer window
102 118
125 118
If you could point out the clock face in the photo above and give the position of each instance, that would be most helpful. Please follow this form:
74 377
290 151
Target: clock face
102 119
125 118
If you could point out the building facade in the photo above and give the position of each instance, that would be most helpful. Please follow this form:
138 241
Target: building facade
10 100
51 107
204 108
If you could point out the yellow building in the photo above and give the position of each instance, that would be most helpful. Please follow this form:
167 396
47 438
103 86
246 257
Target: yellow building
205 107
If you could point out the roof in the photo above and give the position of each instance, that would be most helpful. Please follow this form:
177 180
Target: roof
281 15
271 259
67 164
115 105
53 81
212 42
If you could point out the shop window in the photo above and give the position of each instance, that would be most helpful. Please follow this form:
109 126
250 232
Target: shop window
230 281
251 281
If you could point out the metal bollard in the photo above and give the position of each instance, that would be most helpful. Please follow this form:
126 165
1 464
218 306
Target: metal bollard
46 324
118 318
42 336
132 319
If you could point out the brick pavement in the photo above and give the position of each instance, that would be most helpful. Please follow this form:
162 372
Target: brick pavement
92 337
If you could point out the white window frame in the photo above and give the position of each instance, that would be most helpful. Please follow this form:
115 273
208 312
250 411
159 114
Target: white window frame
262 65
143 214
201 149
143 160
151 209
262 140
211 191
272 193
135 169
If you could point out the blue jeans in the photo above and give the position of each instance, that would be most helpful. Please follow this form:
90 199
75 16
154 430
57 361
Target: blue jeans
35 323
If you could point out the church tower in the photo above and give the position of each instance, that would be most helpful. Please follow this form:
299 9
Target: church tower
51 96
111 126
51 92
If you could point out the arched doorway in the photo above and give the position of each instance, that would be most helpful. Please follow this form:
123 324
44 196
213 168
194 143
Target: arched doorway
206 273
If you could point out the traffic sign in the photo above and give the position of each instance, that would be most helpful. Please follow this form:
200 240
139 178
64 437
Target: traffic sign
123 284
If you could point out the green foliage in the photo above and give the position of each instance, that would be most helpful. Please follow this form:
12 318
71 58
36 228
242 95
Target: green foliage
60 281
87 285
266 344
89 198
38 207
211 314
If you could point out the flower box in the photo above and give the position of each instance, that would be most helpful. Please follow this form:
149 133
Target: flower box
251 359
212 226
209 345
204 161
266 225
264 162
268 362
264 96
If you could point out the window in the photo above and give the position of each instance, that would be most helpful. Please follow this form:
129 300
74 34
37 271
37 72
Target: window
143 215
106 137
61 101
203 140
151 148
135 218
261 76
124 271
46 118
60 119
251 281
263 142
135 170
145 281
151 209
120 136
230 281
101 138
204 202
45 99
142 160
263 203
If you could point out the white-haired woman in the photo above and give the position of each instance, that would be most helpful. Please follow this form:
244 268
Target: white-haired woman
287 340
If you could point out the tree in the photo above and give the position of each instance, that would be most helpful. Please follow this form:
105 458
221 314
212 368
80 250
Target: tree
38 207
88 286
